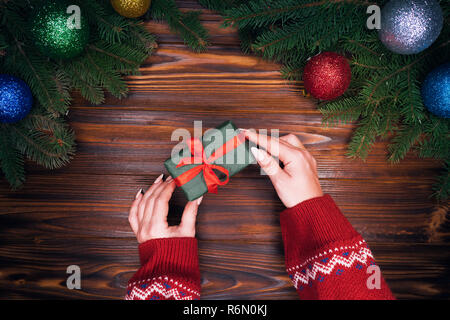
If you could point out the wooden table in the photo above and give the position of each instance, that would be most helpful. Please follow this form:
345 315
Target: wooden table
78 215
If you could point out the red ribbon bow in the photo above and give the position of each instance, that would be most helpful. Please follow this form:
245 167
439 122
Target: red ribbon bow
206 163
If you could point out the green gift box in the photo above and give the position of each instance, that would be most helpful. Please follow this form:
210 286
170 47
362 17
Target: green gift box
206 163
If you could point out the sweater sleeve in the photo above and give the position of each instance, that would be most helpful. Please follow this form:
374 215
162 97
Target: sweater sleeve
169 271
325 257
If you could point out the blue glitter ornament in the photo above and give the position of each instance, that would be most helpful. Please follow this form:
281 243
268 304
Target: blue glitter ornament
15 99
436 91
410 26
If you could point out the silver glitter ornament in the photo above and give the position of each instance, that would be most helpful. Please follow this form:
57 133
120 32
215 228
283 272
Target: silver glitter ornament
410 26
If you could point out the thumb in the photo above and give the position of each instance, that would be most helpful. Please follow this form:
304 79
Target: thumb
189 217
268 164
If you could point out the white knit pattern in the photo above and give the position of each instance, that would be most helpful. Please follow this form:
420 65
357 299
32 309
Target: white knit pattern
299 277
326 253
157 287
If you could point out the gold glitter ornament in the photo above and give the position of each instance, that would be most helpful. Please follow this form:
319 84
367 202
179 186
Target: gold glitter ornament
131 8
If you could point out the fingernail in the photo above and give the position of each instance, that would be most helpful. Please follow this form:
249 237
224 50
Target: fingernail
242 130
199 200
258 154
169 178
158 180
139 192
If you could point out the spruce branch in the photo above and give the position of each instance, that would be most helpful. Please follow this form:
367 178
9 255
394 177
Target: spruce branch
442 186
117 47
221 6
40 81
260 13
113 55
406 67
187 24
11 160
109 79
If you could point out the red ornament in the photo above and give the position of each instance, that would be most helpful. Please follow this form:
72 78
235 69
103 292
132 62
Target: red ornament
327 75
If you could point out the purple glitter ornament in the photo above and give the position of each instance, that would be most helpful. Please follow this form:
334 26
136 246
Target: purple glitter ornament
410 26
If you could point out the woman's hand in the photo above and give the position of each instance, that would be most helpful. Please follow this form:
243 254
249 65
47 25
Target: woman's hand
298 180
148 214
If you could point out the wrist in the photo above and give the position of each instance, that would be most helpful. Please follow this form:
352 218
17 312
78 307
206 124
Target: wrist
294 197
169 259
167 250
313 225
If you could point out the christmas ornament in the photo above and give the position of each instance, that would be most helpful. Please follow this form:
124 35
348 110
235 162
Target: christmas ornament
410 26
15 99
54 33
131 8
327 75
436 91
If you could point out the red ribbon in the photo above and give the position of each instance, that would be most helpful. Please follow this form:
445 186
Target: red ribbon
205 164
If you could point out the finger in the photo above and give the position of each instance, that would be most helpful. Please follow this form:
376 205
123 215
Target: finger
161 205
161 187
133 215
269 165
189 217
272 145
292 139
147 195
150 203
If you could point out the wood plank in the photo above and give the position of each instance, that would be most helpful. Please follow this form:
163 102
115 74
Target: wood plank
229 270
246 209
133 159
114 141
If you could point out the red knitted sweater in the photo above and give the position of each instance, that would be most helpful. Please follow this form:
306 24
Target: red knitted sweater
325 259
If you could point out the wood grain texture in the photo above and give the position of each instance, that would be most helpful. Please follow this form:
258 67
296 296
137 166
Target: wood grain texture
78 214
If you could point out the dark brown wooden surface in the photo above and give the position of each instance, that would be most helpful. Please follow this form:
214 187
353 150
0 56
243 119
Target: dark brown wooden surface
78 214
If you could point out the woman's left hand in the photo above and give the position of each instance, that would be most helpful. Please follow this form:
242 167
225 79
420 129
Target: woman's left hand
148 213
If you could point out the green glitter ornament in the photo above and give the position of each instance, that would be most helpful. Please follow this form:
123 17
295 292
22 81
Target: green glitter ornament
55 32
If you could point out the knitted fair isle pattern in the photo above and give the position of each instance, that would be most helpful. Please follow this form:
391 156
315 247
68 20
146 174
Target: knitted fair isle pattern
333 261
169 271
161 288
326 258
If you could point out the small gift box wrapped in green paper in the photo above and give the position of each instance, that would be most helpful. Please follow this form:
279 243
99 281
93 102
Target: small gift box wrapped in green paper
205 164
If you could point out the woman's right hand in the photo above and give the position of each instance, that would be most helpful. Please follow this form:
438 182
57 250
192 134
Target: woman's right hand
298 180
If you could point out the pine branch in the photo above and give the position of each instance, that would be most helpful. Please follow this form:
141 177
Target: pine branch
442 186
187 25
366 133
259 13
98 47
39 77
140 38
343 110
109 79
221 6
11 161
48 142
118 46
82 81
406 67
405 139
